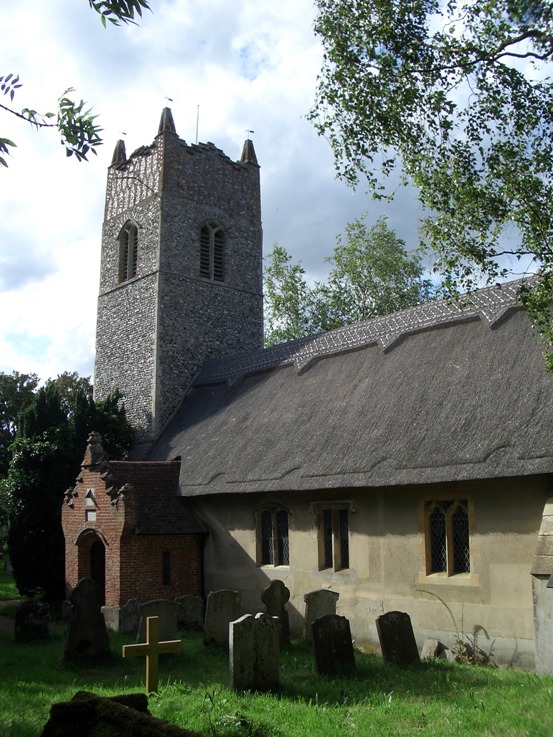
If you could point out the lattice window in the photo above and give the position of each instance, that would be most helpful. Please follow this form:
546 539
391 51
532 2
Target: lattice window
334 538
212 252
447 536
128 252
274 548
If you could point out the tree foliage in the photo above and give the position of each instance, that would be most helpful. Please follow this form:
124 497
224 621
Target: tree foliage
456 96
50 426
77 127
371 274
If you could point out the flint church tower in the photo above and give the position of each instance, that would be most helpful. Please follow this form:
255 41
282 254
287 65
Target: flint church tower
181 271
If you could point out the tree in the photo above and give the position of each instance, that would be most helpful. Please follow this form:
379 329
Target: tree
77 126
16 391
372 274
46 454
455 95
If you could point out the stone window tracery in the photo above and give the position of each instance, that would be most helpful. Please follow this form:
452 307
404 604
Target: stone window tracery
212 251
447 536
128 252
272 537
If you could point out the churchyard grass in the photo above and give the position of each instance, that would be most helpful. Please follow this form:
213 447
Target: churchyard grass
435 698
8 589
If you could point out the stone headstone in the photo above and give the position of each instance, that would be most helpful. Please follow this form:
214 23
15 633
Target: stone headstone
318 604
166 612
254 653
275 597
87 636
222 608
333 646
433 649
397 639
89 715
32 622
191 612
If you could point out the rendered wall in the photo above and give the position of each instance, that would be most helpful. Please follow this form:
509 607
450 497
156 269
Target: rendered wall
387 561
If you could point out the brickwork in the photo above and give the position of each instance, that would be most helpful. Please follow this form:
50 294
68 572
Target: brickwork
155 330
100 508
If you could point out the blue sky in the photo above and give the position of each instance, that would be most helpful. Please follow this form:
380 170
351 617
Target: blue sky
247 64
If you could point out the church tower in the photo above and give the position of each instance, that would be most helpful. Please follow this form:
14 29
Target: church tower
181 271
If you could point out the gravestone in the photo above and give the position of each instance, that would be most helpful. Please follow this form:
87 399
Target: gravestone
89 715
254 653
87 636
275 597
333 646
32 622
397 639
191 612
222 608
318 604
433 648
151 648
165 611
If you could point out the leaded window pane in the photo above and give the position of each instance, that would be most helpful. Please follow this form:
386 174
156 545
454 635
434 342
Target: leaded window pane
438 547
266 538
343 524
461 551
327 538
282 538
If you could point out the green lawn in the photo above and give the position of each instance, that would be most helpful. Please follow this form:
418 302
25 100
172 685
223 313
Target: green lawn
8 589
436 699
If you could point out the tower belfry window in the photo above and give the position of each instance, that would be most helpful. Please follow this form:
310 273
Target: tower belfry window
128 252
212 252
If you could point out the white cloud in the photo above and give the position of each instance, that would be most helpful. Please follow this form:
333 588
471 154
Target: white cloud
248 64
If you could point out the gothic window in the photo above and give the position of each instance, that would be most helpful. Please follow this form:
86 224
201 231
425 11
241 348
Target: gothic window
333 525
128 252
273 545
212 252
447 536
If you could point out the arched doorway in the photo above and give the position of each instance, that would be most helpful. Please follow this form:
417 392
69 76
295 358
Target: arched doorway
98 568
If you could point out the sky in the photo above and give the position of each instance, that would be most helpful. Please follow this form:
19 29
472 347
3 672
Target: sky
230 67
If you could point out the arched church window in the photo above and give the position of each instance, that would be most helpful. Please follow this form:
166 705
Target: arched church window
128 252
447 536
212 251
272 537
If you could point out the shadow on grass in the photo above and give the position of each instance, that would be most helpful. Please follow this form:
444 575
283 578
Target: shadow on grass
35 676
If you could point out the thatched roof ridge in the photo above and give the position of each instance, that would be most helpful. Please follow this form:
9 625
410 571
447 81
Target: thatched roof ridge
488 305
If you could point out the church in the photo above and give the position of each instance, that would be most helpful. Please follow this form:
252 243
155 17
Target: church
404 463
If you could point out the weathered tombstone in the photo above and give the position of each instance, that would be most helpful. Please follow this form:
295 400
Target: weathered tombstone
433 649
166 612
333 646
32 622
151 648
191 612
318 604
129 616
222 608
89 715
87 636
254 653
275 597
397 639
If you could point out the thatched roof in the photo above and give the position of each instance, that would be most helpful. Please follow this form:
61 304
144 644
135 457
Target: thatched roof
152 491
438 392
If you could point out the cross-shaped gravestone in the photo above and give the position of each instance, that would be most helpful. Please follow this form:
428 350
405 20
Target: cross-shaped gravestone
152 648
